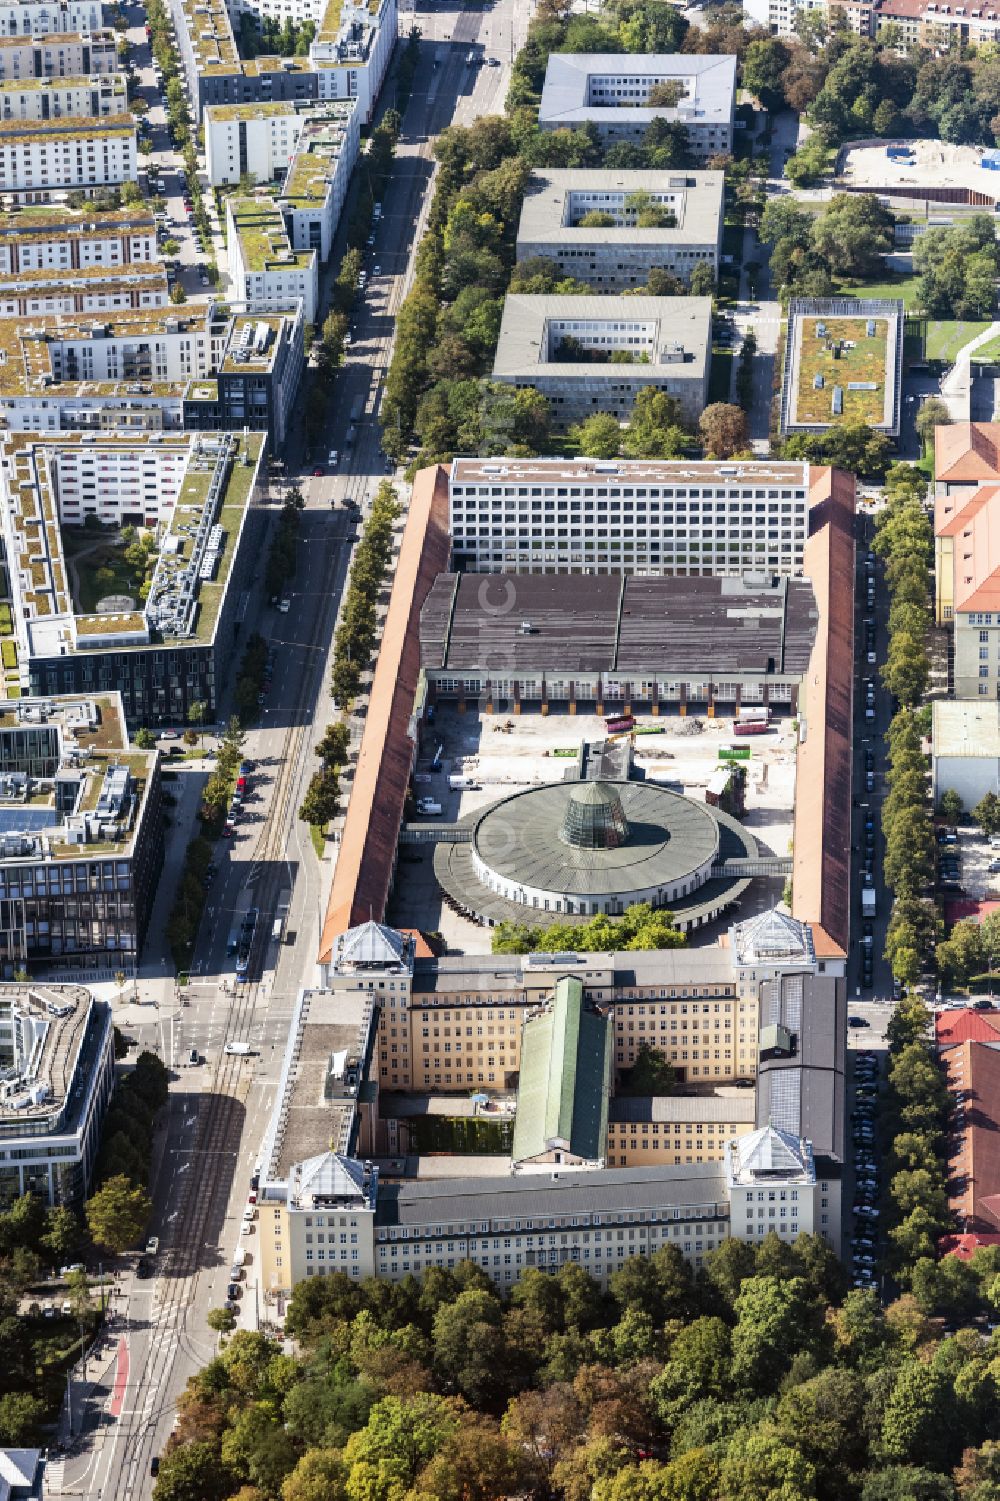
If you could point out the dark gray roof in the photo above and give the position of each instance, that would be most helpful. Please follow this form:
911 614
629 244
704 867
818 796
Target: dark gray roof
804 1094
614 623
449 1201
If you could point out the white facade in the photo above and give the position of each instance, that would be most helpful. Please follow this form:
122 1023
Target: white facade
83 292
773 1188
351 51
68 55
74 242
50 1145
255 138
615 259
266 271
666 516
73 98
39 18
46 156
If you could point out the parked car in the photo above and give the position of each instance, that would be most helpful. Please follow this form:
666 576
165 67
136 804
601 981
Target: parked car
858 1021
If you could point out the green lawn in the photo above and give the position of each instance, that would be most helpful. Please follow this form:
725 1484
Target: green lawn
988 354
946 338
897 286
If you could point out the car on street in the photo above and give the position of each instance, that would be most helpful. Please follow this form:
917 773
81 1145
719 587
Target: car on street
858 1021
193 1058
317 471
143 1268
74 1266
234 1290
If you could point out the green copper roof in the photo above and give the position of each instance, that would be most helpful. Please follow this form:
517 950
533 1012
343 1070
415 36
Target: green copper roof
565 1080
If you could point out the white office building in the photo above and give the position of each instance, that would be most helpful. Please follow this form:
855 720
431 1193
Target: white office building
672 516
772 1185
57 1046
258 139
45 156
595 354
611 91
614 258
352 48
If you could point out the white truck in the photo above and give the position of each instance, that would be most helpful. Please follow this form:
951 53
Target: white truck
867 901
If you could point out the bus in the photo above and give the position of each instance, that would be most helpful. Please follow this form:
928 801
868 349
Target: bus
617 724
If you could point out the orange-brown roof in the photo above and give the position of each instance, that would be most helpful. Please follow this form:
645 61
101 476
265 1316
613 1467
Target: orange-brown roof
967 453
821 861
974 526
954 1027
972 1070
367 852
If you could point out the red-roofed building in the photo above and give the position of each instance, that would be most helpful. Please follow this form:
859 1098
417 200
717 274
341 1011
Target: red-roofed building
953 1027
972 1071
965 1246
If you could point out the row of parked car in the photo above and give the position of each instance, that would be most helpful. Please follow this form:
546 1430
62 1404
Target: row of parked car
867 1189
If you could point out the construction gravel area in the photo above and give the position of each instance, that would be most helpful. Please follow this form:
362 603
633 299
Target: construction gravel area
934 164
504 753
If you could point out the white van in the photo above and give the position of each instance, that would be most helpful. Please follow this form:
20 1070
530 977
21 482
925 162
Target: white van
428 808
238 1049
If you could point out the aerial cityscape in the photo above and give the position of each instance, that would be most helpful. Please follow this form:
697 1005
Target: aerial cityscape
499 750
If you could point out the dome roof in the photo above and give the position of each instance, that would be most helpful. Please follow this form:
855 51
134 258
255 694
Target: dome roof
594 818
772 936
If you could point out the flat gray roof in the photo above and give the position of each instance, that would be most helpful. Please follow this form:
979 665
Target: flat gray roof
738 1107
710 83
524 1195
522 349
696 200
759 626
961 727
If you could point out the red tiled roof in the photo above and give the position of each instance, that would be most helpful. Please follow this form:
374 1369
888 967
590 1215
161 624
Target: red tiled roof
367 853
821 876
967 906
952 1027
963 1246
973 1075
967 452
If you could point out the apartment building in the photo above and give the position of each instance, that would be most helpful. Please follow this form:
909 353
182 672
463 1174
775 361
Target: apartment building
615 258
57 1044
779 16
44 237
347 58
211 368
773 1186
46 156
72 98
666 516
611 91
98 289
595 354
266 271
40 18
258 139
70 54
82 843
966 554
162 654
315 187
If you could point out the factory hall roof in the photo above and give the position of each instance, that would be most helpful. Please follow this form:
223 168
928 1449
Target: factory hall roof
759 626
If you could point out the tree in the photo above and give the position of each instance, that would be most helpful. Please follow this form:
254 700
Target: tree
597 437
320 1475
196 713
986 813
702 281
933 413
724 429
117 1213
193 1472
62 1233
853 233
597 219
222 1320
665 95
916 1423
654 429
762 1466
764 64
950 805
21 1417
774 1320
650 1074
469 1347
144 739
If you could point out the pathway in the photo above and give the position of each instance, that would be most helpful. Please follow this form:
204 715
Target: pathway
956 388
